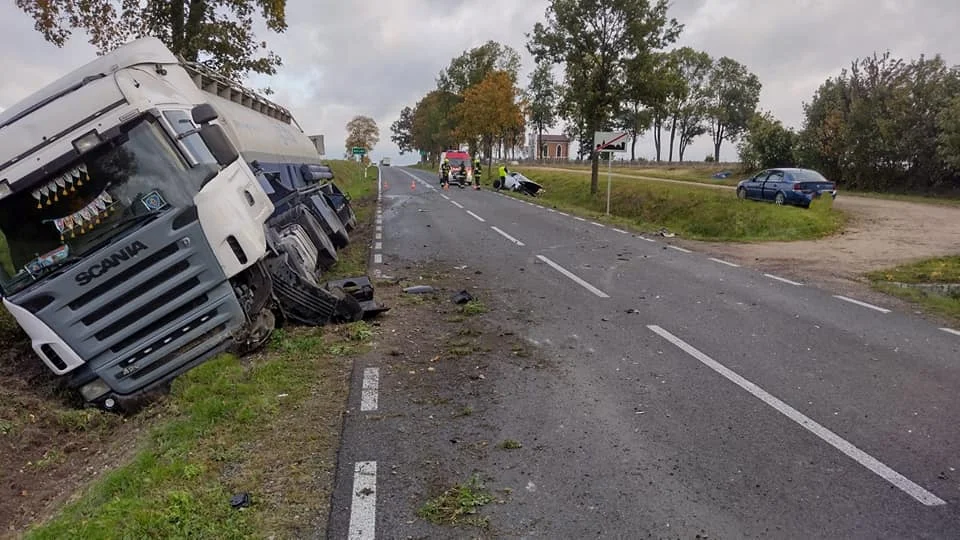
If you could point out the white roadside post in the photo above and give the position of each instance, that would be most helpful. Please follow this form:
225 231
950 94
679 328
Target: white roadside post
610 142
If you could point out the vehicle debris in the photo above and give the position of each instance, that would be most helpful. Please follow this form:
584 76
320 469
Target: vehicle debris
240 500
462 297
419 289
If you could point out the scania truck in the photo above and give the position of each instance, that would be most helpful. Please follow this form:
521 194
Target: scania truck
134 234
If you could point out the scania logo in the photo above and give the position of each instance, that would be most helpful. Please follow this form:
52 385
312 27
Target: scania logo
109 262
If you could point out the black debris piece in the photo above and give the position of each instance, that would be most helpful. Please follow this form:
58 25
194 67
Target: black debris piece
462 297
240 500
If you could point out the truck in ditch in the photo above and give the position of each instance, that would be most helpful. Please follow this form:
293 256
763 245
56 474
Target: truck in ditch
138 235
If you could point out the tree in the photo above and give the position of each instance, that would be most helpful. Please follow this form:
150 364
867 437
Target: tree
362 132
490 112
474 65
217 33
948 140
592 38
689 100
733 96
434 123
543 98
402 131
767 143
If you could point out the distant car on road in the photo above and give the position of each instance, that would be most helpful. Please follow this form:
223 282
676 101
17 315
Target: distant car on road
798 187
385 162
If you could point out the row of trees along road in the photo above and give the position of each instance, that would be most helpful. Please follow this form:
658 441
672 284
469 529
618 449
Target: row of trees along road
884 124
616 75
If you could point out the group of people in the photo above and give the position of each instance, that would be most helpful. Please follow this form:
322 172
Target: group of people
477 169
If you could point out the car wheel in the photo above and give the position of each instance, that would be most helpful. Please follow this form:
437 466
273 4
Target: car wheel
780 199
741 194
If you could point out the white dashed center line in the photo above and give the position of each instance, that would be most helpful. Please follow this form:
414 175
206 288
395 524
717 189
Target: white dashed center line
578 218
369 393
574 277
862 304
478 218
831 438
444 196
507 236
784 280
378 245
721 261
680 249
377 258
363 509
458 205
645 239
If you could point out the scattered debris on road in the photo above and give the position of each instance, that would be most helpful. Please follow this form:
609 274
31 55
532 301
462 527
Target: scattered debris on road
419 289
462 297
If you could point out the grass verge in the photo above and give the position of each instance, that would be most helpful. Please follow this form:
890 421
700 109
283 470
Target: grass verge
459 505
687 211
267 425
920 282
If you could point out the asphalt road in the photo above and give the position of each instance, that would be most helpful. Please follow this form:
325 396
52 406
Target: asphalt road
695 397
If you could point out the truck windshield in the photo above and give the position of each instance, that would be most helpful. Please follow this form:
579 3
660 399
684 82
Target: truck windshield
95 200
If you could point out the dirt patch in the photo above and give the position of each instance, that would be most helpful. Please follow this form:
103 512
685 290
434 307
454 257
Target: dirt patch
880 234
48 446
445 366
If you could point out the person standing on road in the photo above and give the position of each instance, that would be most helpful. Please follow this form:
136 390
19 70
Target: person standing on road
445 174
476 172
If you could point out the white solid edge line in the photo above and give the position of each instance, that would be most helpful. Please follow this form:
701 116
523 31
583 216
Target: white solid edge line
574 277
951 331
831 438
507 236
478 218
721 261
378 245
458 205
377 258
680 249
598 224
563 213
862 304
363 508
645 239
621 231
578 218
369 392
784 280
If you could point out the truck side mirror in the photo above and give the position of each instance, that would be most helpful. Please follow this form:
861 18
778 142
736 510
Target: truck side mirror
219 144
204 114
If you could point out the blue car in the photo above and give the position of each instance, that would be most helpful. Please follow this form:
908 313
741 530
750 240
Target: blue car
798 187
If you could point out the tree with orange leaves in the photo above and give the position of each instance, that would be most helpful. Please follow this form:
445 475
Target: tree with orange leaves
491 110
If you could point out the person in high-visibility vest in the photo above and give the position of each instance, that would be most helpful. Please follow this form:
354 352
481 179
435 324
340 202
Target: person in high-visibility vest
503 177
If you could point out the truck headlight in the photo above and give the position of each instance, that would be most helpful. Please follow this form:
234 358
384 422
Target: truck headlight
94 389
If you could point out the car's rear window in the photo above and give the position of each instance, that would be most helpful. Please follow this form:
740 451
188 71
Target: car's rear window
808 176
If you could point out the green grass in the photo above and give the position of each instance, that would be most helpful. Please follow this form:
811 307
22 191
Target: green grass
473 307
6 262
458 505
689 212
511 444
930 271
938 270
219 437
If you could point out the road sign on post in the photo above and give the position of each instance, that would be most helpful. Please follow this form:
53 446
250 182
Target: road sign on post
359 151
610 142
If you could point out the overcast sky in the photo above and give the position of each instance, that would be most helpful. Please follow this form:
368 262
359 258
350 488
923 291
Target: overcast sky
342 59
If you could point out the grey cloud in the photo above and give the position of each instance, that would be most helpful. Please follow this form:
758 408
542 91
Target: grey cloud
343 59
